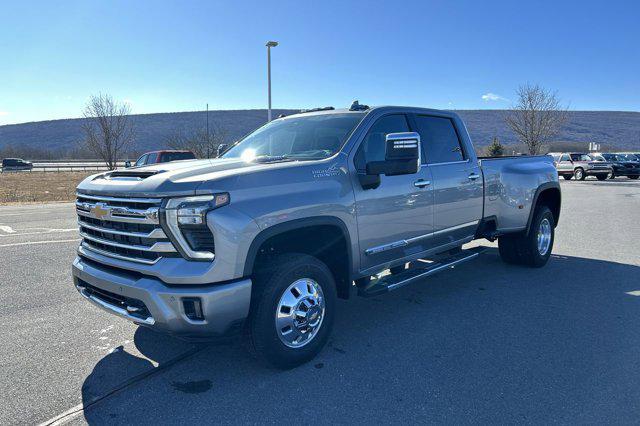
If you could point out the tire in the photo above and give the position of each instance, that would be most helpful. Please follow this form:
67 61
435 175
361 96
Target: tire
281 288
529 248
567 177
634 177
601 177
579 174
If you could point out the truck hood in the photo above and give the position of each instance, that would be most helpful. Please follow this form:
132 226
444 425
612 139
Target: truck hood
170 179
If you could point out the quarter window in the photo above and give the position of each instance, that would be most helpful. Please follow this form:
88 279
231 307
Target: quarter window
565 157
440 143
373 146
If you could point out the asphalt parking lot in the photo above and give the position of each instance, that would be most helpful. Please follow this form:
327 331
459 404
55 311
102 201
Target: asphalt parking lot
484 343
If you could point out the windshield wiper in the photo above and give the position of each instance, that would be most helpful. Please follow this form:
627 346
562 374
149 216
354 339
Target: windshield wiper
272 158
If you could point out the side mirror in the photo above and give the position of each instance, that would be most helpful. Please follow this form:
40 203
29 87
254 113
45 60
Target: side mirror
221 149
402 155
127 164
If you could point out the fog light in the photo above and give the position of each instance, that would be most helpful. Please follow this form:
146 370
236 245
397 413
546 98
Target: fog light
193 308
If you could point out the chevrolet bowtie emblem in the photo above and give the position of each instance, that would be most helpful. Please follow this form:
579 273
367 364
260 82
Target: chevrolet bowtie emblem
99 211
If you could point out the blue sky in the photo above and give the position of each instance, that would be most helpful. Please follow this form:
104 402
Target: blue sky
178 55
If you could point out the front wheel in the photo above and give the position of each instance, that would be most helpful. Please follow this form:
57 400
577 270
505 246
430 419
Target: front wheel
634 177
531 248
293 310
579 174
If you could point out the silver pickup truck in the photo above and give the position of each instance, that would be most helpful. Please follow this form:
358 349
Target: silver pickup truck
311 207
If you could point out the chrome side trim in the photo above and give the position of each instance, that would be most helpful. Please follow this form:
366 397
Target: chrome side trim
157 233
160 247
406 242
447 163
114 309
88 247
121 200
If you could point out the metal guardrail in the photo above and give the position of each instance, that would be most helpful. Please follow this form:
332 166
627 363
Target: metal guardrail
65 166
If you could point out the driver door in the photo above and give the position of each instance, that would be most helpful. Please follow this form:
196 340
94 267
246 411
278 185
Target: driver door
395 219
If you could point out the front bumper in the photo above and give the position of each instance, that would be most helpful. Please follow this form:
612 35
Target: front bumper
593 172
156 305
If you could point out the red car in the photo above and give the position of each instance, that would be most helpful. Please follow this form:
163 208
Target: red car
163 156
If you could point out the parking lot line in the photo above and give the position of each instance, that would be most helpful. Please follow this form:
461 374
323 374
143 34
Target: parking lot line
28 243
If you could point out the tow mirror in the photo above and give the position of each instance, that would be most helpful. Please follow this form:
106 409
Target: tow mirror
402 155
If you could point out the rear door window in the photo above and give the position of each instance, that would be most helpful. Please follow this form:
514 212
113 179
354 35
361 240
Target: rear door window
440 142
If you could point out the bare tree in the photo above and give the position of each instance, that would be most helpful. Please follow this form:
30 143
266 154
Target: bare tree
108 128
536 117
203 145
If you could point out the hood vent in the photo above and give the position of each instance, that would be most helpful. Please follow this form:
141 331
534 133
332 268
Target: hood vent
129 174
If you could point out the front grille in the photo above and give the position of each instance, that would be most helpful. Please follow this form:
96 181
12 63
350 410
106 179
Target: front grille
123 228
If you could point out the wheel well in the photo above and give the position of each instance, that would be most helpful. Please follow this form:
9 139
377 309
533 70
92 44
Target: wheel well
551 198
325 242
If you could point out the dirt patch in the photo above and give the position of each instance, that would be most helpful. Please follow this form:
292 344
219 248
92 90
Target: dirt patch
29 187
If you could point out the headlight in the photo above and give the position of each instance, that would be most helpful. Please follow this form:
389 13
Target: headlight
185 221
194 212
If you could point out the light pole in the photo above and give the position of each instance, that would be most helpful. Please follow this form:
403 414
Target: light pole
269 45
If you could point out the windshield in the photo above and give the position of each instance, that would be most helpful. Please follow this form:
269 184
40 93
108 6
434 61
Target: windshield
626 157
580 157
598 157
297 138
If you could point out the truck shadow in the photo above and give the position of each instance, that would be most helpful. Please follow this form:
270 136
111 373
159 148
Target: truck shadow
558 343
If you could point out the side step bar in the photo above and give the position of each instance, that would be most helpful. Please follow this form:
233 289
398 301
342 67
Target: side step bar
387 283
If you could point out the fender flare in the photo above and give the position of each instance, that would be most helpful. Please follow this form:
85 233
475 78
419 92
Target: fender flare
543 187
292 225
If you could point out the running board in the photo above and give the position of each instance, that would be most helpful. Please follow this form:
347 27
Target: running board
387 283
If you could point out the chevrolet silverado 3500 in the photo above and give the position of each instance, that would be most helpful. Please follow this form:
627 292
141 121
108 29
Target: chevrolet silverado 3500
308 208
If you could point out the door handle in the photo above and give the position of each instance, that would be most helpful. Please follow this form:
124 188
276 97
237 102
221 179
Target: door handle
421 183
474 176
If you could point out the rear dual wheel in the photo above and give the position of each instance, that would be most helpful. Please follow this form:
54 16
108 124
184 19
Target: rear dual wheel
531 248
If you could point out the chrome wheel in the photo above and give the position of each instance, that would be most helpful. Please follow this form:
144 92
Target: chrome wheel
544 236
300 312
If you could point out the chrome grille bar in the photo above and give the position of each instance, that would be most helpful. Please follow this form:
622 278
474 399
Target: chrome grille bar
159 247
87 246
120 200
157 233
118 213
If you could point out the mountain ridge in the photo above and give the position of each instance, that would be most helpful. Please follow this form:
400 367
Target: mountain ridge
614 129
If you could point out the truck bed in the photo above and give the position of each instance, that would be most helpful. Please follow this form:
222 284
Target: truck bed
510 187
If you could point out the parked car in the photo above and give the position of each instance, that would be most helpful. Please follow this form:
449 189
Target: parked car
623 165
164 156
265 238
16 164
580 165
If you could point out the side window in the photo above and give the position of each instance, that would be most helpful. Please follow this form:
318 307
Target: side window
141 160
152 158
439 139
565 157
373 146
